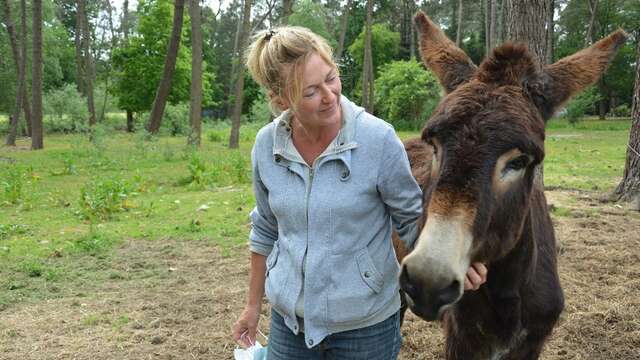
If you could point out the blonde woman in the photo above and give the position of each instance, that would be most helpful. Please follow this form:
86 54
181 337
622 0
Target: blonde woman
331 182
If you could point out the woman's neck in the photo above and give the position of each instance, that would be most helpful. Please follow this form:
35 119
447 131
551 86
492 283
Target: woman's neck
314 135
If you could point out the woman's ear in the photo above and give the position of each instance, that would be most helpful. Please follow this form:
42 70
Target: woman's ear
278 101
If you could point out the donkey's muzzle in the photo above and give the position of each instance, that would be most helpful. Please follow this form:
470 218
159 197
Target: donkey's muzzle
429 296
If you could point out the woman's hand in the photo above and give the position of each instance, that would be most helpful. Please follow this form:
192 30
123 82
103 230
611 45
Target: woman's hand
244 330
476 276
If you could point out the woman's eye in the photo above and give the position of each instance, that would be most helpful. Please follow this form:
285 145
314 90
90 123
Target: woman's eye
518 163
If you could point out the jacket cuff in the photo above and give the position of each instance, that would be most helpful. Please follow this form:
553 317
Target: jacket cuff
259 247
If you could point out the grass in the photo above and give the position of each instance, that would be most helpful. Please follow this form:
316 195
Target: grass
64 209
75 200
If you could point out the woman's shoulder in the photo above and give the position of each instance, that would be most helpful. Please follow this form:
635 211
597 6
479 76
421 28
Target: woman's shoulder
366 125
264 137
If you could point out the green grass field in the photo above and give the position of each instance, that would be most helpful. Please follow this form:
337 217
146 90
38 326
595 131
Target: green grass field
70 203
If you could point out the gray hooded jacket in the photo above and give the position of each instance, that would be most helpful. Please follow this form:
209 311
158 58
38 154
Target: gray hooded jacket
327 229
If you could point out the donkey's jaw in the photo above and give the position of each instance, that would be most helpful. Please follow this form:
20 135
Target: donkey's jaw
433 273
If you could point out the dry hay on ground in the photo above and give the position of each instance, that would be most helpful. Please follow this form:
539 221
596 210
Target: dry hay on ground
177 300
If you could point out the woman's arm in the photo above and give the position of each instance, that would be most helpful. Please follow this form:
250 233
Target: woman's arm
244 330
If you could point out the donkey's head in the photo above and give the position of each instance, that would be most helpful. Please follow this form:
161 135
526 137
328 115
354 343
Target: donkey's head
487 137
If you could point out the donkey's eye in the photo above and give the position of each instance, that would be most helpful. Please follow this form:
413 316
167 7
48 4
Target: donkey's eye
433 146
518 163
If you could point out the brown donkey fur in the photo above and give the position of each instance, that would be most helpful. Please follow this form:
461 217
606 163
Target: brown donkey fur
476 165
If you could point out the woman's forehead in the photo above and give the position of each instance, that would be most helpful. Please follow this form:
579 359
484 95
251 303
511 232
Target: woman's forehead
315 70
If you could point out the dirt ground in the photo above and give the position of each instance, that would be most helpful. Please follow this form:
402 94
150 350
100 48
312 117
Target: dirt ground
171 299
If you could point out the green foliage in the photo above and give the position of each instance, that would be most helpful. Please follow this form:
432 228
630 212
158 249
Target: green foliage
232 168
578 107
92 243
622 111
311 15
12 184
261 112
384 47
139 64
8 230
66 110
175 120
100 199
406 94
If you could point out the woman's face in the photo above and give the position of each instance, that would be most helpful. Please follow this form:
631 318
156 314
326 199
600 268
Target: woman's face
319 105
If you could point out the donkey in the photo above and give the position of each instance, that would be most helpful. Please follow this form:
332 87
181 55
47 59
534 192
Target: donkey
476 163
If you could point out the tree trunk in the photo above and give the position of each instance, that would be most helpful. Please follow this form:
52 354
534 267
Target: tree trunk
125 20
287 10
234 138
234 65
78 44
37 141
125 34
195 110
114 43
88 61
343 29
23 54
155 118
459 30
19 65
367 71
499 33
629 187
550 31
593 9
525 22
130 121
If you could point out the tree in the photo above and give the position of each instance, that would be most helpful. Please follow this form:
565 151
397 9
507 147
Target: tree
526 22
367 70
287 10
169 68
343 29
125 34
88 62
406 94
234 138
36 76
195 109
138 64
459 21
19 64
629 187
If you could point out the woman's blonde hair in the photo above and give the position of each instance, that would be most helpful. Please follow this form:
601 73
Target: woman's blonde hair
276 59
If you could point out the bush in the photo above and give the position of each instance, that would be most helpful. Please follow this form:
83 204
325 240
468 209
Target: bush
261 111
622 111
578 107
175 120
66 110
406 94
101 199
12 184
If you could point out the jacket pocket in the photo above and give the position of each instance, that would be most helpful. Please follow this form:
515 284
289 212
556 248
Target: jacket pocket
354 292
273 281
368 271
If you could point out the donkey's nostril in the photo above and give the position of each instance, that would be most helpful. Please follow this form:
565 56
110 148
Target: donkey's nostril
405 282
449 294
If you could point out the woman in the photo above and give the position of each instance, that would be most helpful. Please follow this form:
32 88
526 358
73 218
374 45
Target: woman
330 181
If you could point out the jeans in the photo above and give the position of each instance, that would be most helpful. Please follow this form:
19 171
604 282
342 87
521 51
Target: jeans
376 342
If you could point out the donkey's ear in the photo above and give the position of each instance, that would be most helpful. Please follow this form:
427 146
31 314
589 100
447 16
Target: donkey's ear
450 64
560 81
